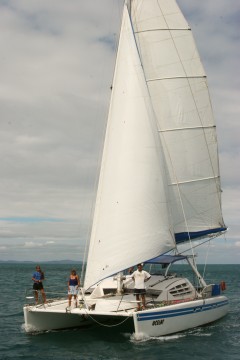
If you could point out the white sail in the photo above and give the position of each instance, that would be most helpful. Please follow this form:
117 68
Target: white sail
179 94
159 185
131 220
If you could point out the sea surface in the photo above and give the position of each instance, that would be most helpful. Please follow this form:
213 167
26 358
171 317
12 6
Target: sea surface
220 340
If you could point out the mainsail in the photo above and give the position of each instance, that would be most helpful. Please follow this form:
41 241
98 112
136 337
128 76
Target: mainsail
179 94
159 182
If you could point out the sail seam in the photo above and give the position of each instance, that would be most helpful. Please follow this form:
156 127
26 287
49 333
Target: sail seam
191 181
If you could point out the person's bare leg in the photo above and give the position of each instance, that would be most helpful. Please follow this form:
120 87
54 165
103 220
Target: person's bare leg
143 302
43 296
138 304
36 296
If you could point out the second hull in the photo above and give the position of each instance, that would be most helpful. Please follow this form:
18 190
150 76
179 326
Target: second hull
177 318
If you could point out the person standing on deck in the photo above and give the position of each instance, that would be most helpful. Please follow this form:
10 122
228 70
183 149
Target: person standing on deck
140 277
38 277
73 285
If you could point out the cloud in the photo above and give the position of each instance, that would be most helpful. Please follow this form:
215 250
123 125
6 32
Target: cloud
31 244
37 244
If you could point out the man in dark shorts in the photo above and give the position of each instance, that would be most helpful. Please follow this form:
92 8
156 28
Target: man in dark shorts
38 277
140 277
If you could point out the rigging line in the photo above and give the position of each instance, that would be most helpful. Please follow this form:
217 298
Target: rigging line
205 265
203 242
105 325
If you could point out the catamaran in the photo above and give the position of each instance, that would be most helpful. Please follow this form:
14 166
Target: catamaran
159 186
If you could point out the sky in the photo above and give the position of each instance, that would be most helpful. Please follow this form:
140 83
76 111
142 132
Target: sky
56 67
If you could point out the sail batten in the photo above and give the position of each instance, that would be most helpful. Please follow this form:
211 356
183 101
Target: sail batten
194 180
188 128
178 77
175 29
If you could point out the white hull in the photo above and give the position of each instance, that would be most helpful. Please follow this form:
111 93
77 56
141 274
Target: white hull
151 322
177 318
57 316
46 317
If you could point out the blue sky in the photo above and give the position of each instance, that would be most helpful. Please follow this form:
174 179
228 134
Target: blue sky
56 66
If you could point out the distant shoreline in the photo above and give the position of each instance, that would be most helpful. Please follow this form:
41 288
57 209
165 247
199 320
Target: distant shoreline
41 262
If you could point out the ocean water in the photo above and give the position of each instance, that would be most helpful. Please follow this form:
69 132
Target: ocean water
220 340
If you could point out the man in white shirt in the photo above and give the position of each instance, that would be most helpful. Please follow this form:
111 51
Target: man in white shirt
140 277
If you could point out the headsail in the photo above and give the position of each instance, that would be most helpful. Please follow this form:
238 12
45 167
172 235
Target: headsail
131 220
179 94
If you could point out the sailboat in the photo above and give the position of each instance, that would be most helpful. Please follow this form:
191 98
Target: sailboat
159 186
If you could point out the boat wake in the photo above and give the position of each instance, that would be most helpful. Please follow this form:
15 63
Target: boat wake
30 329
141 337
